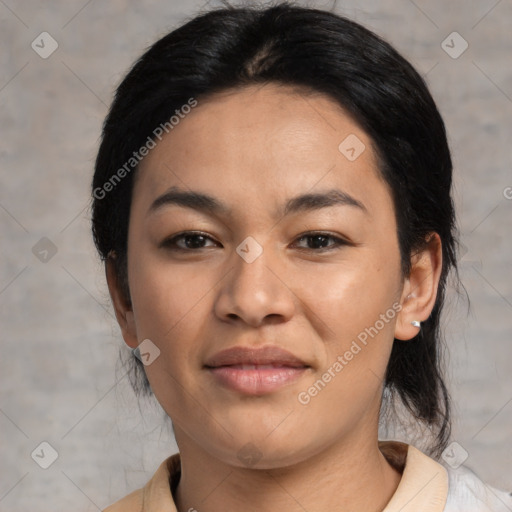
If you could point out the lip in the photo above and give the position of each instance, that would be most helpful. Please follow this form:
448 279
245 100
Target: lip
255 371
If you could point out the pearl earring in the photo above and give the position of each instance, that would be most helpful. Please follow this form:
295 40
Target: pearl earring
416 323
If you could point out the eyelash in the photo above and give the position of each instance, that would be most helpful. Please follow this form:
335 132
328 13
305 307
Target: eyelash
171 243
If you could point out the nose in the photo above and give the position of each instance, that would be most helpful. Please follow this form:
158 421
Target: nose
255 292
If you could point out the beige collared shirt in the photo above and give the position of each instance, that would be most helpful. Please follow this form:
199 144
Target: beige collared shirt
425 486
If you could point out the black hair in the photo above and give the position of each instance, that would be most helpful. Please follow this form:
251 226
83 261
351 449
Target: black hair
321 52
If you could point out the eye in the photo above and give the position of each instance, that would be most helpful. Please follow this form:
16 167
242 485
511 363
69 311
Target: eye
189 240
320 242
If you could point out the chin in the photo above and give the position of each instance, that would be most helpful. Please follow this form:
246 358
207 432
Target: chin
258 450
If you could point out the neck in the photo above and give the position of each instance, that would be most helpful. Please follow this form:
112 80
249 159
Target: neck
349 477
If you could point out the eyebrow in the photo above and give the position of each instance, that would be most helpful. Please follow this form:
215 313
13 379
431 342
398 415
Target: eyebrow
189 199
316 201
301 203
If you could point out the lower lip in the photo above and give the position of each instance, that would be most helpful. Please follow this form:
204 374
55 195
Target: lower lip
256 381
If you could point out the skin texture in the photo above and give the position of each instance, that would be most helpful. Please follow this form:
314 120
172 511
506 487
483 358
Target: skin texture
252 150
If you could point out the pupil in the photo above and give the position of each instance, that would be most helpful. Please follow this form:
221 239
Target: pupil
318 241
194 241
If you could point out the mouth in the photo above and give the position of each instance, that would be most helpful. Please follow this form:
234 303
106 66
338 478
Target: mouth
255 371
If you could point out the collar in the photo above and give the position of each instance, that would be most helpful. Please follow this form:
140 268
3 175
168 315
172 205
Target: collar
422 488
424 483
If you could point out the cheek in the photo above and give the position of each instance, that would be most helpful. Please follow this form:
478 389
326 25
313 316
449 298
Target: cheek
168 301
171 307
357 304
348 298
356 349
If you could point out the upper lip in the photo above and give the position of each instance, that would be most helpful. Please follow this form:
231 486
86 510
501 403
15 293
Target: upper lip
270 354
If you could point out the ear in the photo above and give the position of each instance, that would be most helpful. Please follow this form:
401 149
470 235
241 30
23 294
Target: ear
122 306
419 292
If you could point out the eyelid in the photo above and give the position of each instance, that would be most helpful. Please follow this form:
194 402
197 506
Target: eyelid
339 240
172 239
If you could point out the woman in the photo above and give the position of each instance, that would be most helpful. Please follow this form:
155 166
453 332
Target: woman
272 200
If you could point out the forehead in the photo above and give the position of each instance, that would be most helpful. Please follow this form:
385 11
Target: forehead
261 140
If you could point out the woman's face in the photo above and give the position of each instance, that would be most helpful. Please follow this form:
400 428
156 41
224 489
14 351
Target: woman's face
277 233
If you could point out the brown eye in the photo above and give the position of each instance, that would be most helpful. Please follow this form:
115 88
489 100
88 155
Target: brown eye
320 241
189 241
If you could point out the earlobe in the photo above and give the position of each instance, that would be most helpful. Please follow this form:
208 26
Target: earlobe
122 306
419 292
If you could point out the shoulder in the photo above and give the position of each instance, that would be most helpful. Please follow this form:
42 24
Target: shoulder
130 503
156 495
428 482
468 492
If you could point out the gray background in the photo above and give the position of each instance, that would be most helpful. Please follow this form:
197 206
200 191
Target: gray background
59 339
